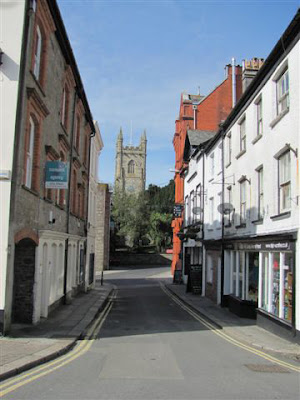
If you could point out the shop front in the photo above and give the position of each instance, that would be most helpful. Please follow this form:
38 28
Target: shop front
260 280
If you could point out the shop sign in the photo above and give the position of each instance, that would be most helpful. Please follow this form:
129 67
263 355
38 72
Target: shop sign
56 175
177 210
261 246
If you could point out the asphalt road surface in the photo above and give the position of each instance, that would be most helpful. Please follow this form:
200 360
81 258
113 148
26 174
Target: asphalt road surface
149 347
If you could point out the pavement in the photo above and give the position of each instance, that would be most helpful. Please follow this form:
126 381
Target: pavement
31 345
242 329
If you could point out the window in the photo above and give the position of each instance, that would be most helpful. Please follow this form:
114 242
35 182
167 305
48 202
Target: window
219 214
243 135
198 203
228 149
227 217
212 165
284 164
282 92
29 153
211 211
259 126
131 167
219 161
243 202
77 133
186 210
37 54
86 150
65 107
193 201
260 192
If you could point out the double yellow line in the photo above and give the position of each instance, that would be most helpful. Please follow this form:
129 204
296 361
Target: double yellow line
80 349
226 337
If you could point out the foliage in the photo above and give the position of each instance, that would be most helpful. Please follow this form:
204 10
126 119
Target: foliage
130 217
147 215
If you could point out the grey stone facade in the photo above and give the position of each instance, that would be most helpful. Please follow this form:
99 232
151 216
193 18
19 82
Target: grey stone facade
102 240
130 173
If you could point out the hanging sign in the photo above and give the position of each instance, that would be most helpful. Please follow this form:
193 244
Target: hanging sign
56 175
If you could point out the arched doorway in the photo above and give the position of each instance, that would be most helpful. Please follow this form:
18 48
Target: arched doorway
24 270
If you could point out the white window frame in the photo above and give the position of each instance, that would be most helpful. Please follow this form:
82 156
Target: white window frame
260 192
212 165
243 202
211 211
193 198
284 182
37 54
282 92
198 202
210 270
29 153
259 117
242 128
228 149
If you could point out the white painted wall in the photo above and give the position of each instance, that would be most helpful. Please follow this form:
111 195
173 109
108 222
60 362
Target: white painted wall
12 17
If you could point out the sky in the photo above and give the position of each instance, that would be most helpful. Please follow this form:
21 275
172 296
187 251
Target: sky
136 58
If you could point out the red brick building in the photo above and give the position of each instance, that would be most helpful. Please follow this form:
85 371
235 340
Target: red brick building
201 113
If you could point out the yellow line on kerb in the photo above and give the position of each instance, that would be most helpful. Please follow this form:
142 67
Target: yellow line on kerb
227 337
82 348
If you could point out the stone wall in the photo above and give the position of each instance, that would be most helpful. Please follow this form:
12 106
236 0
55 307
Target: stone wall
102 228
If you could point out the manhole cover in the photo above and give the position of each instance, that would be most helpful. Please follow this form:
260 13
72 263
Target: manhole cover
267 368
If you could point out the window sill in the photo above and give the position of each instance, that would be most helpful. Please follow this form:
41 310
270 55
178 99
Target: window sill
240 154
278 118
227 225
210 229
280 216
38 83
60 207
48 200
211 179
257 138
258 221
64 129
228 165
30 190
241 226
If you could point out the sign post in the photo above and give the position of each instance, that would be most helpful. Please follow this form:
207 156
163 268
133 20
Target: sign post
56 175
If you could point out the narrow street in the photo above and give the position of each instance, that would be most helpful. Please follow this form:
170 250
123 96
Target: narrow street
151 348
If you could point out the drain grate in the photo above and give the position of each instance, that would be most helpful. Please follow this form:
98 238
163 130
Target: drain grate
273 368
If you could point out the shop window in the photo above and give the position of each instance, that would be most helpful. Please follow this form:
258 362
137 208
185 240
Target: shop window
275 284
252 277
234 274
240 276
287 296
264 281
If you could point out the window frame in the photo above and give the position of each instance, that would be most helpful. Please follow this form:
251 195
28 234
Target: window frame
243 202
282 84
285 183
37 56
30 153
242 131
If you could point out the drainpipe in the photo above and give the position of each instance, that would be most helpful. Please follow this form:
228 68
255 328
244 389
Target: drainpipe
233 83
69 199
223 223
202 217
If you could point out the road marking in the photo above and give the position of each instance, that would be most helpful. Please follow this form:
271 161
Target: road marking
226 337
80 349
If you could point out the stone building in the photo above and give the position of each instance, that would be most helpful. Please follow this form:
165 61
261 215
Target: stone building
130 173
92 227
103 205
47 118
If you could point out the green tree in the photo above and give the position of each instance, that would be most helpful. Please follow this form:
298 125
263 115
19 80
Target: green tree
130 216
160 229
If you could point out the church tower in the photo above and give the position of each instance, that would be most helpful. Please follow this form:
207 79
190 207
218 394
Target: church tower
130 172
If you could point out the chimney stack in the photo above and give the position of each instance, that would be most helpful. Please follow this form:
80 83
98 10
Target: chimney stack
250 69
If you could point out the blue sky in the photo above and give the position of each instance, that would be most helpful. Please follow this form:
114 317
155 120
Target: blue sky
137 57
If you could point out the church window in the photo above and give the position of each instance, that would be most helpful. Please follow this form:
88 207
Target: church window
131 167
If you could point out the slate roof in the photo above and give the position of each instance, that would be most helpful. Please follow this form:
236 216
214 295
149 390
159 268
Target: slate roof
197 137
